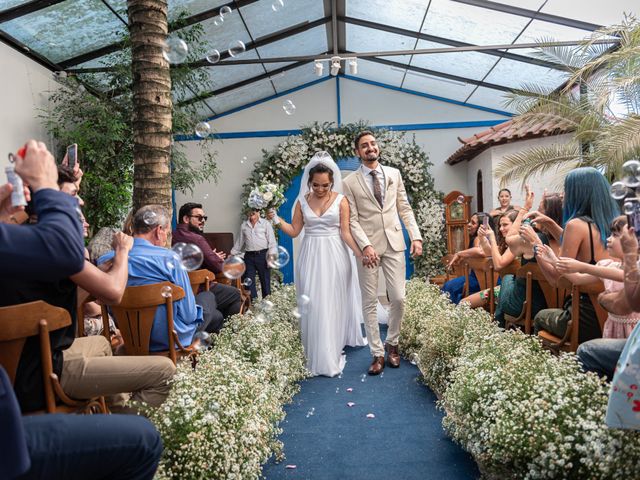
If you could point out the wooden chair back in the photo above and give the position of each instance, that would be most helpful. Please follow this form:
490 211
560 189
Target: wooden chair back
135 314
236 282
570 341
17 323
201 279
486 275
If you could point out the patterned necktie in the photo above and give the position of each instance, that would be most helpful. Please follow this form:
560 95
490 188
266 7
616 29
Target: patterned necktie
377 192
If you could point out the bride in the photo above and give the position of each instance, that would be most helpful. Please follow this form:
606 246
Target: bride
325 269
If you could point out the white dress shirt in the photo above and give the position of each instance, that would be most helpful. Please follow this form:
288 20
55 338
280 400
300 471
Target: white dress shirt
255 237
366 171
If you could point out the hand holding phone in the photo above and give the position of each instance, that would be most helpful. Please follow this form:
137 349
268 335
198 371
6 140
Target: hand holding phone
485 221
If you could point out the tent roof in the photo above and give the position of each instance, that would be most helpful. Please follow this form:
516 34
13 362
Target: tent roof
78 34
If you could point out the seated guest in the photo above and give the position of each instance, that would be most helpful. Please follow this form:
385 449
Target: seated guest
455 287
74 446
504 199
54 249
151 262
191 230
255 241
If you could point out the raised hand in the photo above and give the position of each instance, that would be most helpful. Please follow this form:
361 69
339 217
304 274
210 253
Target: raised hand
529 197
568 265
122 241
37 167
629 241
6 208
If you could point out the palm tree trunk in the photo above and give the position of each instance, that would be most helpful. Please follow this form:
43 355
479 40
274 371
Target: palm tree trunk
151 103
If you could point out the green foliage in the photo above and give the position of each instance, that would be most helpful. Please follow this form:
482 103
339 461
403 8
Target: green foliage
98 118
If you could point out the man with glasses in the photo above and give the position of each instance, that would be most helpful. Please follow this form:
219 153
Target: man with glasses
190 229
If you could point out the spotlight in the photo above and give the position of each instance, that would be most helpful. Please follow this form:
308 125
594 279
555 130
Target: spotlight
335 66
318 67
353 66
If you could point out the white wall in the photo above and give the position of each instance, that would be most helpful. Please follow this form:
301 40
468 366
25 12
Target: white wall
359 101
23 87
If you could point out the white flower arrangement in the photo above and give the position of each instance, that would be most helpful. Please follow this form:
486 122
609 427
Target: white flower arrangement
265 196
522 413
286 161
220 420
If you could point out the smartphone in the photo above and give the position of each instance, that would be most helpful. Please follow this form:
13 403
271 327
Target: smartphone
485 221
72 155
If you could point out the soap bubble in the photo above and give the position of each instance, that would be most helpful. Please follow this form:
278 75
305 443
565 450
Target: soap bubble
236 48
165 291
277 5
618 190
311 412
460 199
631 167
191 257
244 159
289 107
261 319
233 267
203 129
629 208
279 259
303 303
178 247
413 359
267 305
150 218
218 20
174 50
363 378
296 314
631 181
213 56
226 10
205 340
247 282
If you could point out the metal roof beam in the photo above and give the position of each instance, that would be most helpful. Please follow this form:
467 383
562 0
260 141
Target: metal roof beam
523 12
448 41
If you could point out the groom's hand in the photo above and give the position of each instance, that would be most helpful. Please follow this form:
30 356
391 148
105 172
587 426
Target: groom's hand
369 257
416 248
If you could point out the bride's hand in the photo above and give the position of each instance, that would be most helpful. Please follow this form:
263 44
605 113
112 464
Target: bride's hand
370 258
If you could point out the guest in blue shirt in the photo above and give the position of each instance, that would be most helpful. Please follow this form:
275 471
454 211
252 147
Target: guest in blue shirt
150 262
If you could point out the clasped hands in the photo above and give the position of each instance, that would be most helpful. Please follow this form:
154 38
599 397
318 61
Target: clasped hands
370 257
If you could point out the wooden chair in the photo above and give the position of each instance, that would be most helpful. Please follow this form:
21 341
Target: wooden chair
17 323
201 280
569 342
487 278
236 282
135 314
554 296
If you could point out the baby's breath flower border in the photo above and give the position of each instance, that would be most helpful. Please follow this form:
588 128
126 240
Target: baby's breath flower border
220 420
282 164
521 412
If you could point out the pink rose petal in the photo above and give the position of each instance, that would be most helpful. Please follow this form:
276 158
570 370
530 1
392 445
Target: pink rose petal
291 467
370 415
349 389
350 404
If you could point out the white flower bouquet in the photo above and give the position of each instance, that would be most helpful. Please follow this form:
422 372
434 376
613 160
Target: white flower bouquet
266 196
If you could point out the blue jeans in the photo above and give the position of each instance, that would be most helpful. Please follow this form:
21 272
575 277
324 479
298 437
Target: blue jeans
601 355
91 446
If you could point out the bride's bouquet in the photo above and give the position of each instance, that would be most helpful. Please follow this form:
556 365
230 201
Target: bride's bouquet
266 196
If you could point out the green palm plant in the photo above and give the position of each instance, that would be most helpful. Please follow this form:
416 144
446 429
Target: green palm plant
599 78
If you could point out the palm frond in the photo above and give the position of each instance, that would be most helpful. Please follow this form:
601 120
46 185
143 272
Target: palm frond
538 160
620 141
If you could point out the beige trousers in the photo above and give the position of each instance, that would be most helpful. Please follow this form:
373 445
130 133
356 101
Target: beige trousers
394 270
89 369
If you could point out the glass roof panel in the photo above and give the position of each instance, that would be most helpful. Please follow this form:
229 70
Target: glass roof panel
7 4
441 87
514 74
594 11
220 36
224 75
407 14
473 65
538 30
67 29
119 6
488 97
297 76
364 39
262 20
241 96
193 7
470 24
380 73
311 42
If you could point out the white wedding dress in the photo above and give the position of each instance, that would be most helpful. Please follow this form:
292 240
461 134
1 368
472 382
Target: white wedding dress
326 274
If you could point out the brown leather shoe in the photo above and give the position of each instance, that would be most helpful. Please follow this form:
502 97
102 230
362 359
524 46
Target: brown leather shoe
377 366
393 357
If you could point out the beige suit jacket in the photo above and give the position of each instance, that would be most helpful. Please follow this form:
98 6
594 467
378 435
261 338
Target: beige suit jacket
375 226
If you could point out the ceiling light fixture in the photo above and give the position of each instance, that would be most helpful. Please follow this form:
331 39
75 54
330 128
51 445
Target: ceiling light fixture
335 66
353 66
317 68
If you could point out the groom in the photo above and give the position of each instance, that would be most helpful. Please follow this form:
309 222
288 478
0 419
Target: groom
378 201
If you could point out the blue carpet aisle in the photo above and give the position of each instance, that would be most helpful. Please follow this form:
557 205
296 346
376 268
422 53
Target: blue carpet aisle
326 439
